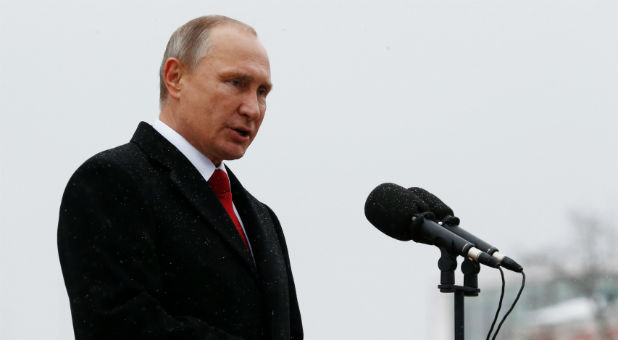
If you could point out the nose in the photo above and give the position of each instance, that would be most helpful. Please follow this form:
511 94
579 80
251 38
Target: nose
251 106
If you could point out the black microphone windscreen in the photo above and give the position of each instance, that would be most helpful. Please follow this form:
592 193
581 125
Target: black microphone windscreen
435 205
390 207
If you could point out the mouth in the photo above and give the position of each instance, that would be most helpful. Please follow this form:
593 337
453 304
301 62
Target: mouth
242 131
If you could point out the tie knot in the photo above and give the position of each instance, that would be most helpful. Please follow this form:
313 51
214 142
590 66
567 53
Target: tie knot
219 182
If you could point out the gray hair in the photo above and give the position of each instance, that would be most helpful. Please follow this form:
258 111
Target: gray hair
189 44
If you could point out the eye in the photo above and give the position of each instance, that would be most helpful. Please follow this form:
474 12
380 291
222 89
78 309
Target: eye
234 82
263 91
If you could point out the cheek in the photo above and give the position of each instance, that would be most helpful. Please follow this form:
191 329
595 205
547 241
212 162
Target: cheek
258 123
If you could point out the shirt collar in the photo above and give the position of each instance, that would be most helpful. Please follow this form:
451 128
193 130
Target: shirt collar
202 163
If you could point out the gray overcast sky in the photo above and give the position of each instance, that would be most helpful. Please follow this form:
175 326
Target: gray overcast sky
504 109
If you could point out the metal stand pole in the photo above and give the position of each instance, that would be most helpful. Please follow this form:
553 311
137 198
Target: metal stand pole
459 315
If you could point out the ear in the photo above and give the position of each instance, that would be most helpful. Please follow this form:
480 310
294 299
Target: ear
172 74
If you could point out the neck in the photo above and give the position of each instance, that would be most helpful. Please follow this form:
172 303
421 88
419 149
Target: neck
169 116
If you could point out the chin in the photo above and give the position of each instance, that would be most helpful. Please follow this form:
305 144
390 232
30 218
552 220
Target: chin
232 151
234 155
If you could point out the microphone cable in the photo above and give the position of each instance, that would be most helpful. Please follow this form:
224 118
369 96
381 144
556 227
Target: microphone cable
523 284
499 305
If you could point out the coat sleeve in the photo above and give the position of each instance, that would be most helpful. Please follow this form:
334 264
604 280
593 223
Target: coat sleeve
109 260
296 327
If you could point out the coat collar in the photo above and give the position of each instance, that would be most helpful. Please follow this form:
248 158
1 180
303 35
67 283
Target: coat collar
194 187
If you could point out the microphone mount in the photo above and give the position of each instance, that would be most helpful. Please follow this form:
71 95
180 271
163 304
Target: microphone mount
447 265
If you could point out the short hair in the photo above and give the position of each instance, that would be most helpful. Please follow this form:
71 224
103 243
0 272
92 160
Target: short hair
189 43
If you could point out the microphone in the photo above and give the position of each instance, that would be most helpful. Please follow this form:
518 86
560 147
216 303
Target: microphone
445 213
395 211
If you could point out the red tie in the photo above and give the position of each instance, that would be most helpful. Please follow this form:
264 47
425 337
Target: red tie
220 184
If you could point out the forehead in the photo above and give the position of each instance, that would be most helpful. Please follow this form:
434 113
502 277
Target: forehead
232 47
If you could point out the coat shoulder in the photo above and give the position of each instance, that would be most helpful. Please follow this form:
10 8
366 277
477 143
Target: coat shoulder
126 160
127 156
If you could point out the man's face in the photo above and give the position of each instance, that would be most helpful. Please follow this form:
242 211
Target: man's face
223 100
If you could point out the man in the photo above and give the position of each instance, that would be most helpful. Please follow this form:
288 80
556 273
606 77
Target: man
154 240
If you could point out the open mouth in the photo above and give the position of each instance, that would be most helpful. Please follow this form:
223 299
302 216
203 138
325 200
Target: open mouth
241 132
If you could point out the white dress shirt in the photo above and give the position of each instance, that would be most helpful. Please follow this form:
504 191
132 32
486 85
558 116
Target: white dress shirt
202 163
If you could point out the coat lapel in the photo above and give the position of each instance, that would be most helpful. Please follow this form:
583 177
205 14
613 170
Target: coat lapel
194 187
268 255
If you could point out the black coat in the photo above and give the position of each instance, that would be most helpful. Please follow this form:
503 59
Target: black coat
148 251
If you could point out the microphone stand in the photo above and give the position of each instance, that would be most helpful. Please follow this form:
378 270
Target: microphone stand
447 265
